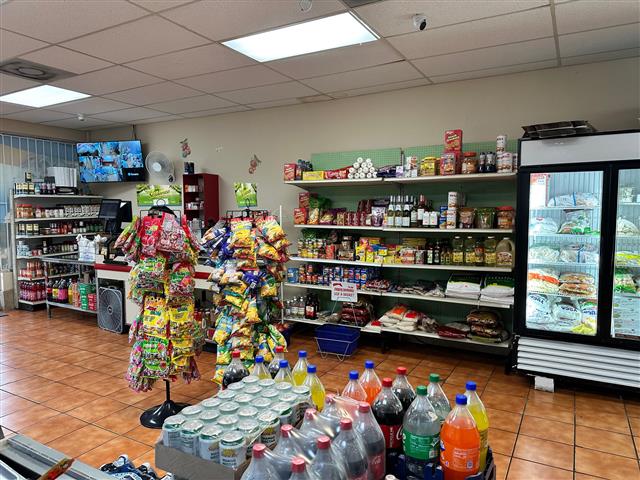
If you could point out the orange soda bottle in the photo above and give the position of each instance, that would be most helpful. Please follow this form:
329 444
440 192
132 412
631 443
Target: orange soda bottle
370 382
459 443
353 389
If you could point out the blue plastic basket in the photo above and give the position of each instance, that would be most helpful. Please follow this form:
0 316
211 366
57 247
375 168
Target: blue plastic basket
337 339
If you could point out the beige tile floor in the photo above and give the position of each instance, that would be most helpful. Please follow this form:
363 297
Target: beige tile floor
61 382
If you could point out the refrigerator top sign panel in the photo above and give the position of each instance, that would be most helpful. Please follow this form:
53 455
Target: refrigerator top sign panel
587 149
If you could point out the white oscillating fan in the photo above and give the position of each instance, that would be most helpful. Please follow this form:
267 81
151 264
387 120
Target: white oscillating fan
158 164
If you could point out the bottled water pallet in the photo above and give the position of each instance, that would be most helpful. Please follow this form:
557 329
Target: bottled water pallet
435 472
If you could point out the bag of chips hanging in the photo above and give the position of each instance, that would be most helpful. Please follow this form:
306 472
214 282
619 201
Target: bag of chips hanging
241 234
270 228
267 251
268 287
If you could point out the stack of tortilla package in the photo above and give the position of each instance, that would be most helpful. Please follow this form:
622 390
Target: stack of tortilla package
165 336
248 257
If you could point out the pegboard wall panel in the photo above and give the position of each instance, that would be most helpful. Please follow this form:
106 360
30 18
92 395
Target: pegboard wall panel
436 150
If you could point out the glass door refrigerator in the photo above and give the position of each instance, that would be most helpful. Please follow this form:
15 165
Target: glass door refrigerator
577 311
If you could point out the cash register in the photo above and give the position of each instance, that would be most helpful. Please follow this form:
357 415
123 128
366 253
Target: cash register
114 212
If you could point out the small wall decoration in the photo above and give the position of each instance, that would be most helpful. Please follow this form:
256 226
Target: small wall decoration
246 194
150 195
186 149
253 164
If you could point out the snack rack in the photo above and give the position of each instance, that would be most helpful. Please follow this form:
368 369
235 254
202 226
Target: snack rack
82 267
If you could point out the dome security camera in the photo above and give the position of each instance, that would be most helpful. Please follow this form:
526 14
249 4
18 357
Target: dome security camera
420 22
81 117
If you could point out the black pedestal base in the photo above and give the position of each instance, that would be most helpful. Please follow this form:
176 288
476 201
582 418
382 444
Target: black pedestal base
155 416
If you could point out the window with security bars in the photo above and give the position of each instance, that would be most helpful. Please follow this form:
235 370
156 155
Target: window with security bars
19 155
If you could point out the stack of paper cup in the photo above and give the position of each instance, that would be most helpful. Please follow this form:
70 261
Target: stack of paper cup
362 169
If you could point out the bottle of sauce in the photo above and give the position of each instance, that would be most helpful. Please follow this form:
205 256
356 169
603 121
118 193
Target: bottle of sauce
469 251
437 253
490 245
457 254
479 253
505 253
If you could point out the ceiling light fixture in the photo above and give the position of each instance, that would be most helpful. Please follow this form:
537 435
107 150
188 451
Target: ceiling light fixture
308 37
42 96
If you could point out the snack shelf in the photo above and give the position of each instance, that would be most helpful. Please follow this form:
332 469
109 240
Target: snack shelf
69 307
326 288
503 346
60 235
35 279
335 183
407 266
31 257
473 177
53 219
340 227
336 262
79 197
449 230
39 302
459 301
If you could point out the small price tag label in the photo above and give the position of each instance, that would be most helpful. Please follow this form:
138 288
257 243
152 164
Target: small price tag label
344 292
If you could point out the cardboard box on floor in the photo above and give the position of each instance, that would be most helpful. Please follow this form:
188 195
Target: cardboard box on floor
185 466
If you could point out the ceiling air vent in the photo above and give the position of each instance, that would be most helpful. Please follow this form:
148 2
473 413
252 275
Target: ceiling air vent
358 3
33 71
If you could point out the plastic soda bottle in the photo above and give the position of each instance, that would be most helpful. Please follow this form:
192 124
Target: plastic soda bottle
330 415
300 369
326 465
259 468
259 370
371 435
459 443
315 387
437 397
420 433
235 371
388 412
402 388
299 470
284 373
479 414
274 366
353 389
285 450
370 381
353 454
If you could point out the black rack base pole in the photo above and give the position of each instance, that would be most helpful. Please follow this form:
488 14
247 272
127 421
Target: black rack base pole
155 416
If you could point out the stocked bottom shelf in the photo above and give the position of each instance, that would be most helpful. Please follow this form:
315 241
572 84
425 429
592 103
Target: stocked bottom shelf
69 306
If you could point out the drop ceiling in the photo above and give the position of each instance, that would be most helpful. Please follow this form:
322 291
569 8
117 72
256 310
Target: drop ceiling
146 61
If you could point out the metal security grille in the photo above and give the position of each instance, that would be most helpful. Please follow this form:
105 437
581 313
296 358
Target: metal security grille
19 155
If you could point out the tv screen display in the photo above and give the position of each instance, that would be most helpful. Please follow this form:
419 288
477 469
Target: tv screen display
110 161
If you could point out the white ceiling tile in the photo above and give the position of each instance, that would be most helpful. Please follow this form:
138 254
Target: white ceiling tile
492 57
38 115
367 77
56 21
393 17
66 59
193 104
109 80
13 45
87 123
276 103
90 106
268 93
490 72
381 88
601 57
602 40
10 83
225 19
476 34
165 118
589 14
194 61
8 108
129 114
216 111
337 60
143 38
159 92
236 79
159 5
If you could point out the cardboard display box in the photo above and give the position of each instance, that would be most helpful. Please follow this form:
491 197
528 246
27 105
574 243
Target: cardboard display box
185 466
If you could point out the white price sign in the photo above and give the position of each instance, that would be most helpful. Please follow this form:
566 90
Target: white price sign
344 292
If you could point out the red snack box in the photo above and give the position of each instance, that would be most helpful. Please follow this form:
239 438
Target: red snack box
303 199
337 174
299 216
289 172
453 140
450 163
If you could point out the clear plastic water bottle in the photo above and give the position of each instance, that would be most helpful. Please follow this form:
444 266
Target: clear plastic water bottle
353 389
326 465
420 433
403 389
349 446
299 470
438 398
235 371
284 373
259 370
274 366
299 372
371 435
259 468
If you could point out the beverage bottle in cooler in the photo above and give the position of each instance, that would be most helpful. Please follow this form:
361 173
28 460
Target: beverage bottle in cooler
387 409
274 366
370 381
299 372
350 447
420 433
259 370
235 371
479 414
353 389
299 470
437 397
459 443
402 388
371 435
259 468
315 387
284 373
326 465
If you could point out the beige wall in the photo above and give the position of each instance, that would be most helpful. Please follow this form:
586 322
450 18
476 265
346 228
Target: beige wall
605 93
41 131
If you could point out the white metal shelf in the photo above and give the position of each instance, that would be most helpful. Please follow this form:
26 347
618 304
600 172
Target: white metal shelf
473 177
470 231
576 207
35 279
335 262
69 306
365 329
573 297
340 227
418 333
38 302
564 236
31 257
335 183
60 235
78 197
55 219
563 264
404 266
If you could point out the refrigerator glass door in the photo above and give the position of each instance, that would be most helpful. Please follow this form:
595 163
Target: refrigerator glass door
564 251
625 321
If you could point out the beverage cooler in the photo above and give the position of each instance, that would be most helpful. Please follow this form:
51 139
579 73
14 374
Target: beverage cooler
577 311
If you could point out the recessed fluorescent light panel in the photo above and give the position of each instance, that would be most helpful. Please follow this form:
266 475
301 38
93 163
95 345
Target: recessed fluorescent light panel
42 96
308 37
